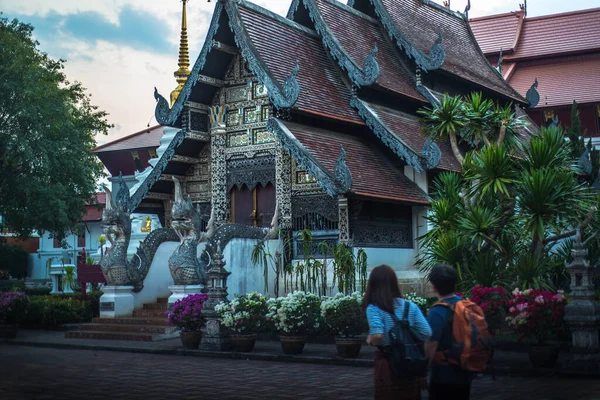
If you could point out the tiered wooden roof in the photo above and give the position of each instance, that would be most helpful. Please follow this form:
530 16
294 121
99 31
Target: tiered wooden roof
561 51
350 76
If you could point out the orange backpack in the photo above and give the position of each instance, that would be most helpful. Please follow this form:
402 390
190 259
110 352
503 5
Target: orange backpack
471 341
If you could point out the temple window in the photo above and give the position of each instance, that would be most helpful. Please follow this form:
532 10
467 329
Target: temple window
548 117
381 224
81 237
137 161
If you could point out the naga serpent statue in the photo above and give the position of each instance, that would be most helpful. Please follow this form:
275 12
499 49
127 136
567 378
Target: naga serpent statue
116 268
184 264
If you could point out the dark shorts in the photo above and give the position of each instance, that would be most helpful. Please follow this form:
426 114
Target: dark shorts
391 387
442 391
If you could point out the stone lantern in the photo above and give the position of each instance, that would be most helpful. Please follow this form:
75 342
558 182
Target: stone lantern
215 337
582 314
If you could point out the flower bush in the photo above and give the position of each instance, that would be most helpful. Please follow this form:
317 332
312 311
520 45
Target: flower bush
298 313
492 302
245 314
187 313
418 300
13 307
536 313
344 314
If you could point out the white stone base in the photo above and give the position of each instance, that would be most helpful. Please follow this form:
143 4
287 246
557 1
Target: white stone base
181 291
117 301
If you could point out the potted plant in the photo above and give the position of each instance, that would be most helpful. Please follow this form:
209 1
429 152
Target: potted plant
13 309
187 317
344 315
537 314
295 316
68 278
492 302
245 317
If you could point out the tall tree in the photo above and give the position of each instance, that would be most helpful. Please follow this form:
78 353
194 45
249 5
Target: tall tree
47 127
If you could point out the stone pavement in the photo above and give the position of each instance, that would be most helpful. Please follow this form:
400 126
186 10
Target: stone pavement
32 373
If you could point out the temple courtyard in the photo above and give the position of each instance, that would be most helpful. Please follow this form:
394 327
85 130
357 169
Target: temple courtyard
30 372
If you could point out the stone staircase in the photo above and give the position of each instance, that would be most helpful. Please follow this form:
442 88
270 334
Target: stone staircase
148 324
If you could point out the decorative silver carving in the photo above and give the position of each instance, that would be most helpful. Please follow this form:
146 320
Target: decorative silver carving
185 159
198 136
344 221
250 172
209 80
158 196
225 48
219 164
432 154
316 213
283 187
343 176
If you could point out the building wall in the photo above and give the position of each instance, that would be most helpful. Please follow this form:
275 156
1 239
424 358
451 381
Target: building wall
587 114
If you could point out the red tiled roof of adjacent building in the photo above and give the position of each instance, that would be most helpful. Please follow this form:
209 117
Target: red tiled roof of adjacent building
372 174
559 34
358 34
561 83
498 32
149 137
408 129
422 22
94 210
322 91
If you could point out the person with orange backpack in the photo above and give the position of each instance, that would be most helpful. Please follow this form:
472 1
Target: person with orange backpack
460 344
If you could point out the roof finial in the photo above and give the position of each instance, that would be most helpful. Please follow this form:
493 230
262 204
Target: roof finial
183 72
499 67
467 8
447 3
523 7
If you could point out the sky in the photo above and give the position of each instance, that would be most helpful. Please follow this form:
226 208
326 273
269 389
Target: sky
121 49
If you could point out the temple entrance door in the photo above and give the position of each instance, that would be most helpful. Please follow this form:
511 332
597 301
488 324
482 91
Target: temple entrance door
253 207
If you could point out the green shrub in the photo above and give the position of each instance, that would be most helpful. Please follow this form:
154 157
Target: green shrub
54 311
38 292
14 259
12 285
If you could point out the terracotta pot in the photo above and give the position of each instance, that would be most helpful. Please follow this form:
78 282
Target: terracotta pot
191 340
292 344
8 331
543 356
348 347
243 343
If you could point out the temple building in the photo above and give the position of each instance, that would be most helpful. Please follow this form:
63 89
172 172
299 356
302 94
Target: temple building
315 115
560 52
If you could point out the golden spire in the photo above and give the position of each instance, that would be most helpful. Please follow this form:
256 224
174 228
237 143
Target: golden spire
183 72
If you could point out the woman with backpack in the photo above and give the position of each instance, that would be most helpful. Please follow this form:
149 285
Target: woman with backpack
387 311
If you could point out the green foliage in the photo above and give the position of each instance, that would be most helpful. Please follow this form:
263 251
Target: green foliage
12 285
497 221
47 128
344 314
49 312
14 259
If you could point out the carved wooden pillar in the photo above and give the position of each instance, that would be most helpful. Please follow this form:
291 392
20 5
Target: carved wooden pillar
218 138
344 220
283 166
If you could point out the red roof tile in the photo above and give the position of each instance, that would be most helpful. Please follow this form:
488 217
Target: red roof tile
422 22
357 34
407 128
93 212
149 137
559 33
497 32
322 91
373 174
561 83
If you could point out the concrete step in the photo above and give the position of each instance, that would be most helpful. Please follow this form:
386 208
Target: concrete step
131 321
98 327
150 313
162 300
156 306
140 337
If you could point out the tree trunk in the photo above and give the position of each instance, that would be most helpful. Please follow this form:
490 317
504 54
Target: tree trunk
455 149
502 134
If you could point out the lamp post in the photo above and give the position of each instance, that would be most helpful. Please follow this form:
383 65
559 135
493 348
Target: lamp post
582 314
215 337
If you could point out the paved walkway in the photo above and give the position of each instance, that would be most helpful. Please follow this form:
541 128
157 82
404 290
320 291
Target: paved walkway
32 373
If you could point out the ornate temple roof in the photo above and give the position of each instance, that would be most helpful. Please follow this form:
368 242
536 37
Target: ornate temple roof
497 32
561 51
373 175
561 83
424 24
146 138
322 91
548 35
339 26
